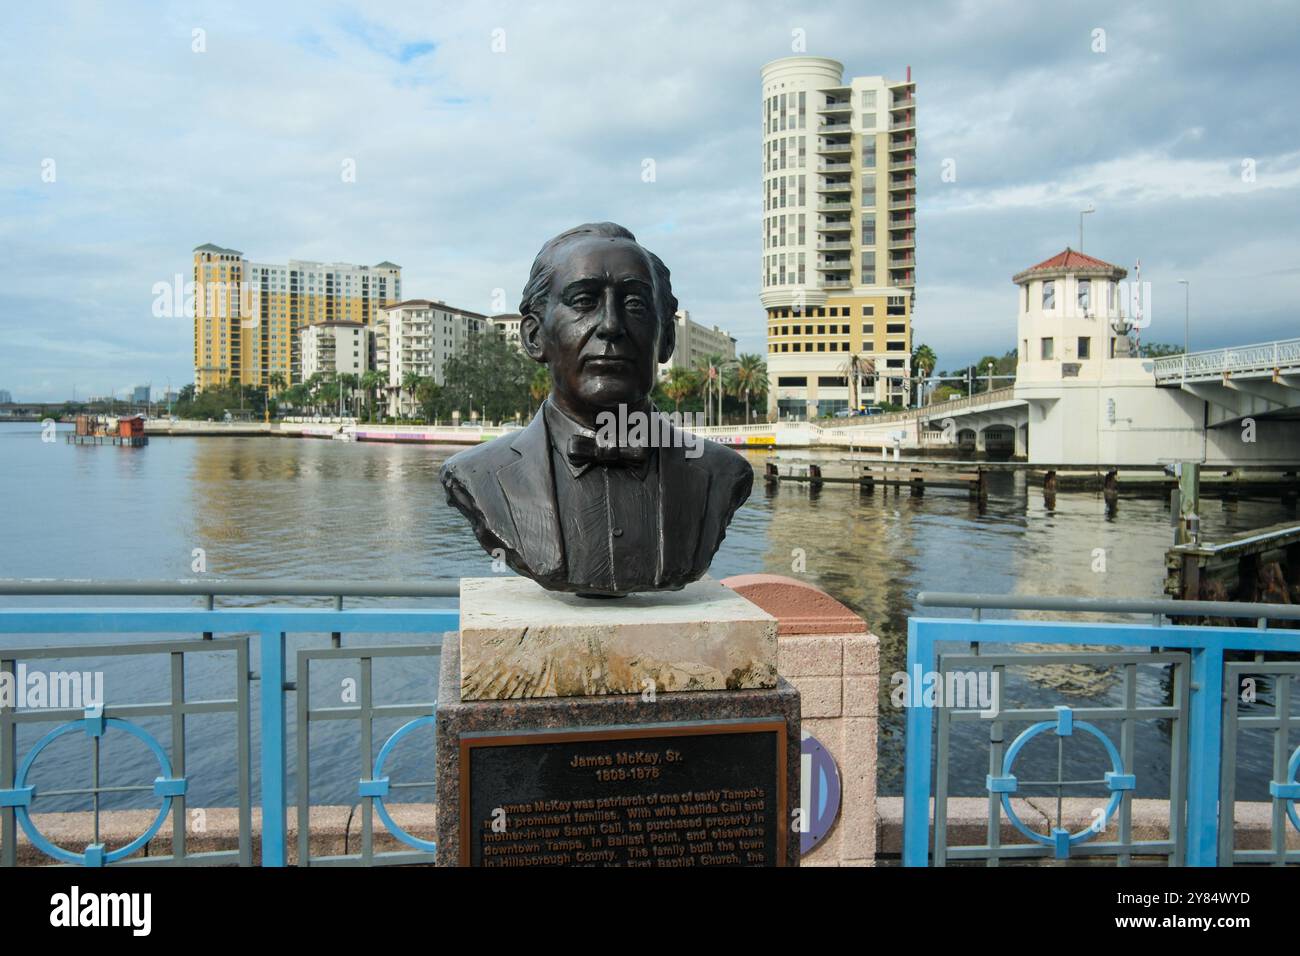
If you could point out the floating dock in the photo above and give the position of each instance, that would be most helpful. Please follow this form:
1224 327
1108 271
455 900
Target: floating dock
133 441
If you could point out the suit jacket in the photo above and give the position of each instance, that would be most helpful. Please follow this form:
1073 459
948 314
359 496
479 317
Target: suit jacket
506 489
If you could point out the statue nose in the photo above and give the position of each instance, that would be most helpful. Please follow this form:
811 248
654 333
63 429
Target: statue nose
610 325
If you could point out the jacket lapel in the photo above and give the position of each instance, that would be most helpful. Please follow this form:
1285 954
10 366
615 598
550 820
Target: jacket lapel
529 489
683 500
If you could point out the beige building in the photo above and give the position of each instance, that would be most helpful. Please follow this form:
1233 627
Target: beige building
247 315
419 336
507 326
839 235
696 342
334 348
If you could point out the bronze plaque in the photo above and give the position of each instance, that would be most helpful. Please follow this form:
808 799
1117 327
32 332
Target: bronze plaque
692 793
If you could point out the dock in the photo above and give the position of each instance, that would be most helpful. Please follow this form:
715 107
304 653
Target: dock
1261 565
132 441
868 477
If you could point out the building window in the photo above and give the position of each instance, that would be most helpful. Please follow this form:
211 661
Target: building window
1046 349
792 381
821 329
835 346
821 346
896 346
1085 296
895 328
1049 296
868 328
844 346
868 310
832 381
1085 347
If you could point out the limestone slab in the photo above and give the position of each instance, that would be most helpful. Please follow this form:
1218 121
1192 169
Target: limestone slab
518 640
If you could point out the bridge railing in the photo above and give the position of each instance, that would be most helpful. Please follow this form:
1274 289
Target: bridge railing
1176 687
1216 363
209 641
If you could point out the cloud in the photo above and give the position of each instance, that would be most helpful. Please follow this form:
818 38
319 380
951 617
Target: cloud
478 131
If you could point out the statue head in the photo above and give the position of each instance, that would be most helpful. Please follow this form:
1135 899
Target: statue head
599 312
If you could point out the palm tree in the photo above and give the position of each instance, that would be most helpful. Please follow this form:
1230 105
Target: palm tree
348 383
410 382
680 383
540 385
749 371
855 368
710 369
923 361
277 382
370 382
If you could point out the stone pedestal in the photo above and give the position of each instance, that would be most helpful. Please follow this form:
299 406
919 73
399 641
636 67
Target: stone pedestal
519 640
557 764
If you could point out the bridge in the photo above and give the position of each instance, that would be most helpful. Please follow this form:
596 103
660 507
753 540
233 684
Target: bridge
993 422
1247 381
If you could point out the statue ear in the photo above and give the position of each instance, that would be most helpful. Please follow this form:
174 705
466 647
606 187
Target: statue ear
668 341
530 336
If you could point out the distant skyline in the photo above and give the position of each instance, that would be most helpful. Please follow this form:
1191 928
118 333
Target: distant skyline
477 132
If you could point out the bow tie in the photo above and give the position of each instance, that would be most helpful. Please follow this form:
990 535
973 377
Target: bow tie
584 450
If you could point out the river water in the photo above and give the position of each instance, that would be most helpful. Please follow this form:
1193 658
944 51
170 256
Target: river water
287 509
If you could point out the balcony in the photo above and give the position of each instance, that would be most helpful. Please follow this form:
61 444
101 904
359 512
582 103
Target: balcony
902 103
902 282
836 245
837 225
908 202
834 167
840 186
834 283
839 106
903 262
907 182
834 265
901 142
903 162
903 243
833 149
837 206
903 121
839 128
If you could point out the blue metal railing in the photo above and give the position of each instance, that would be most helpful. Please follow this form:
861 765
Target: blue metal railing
1202 818
271 627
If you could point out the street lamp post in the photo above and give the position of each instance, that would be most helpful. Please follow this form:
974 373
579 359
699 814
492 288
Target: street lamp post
990 388
1187 321
1084 212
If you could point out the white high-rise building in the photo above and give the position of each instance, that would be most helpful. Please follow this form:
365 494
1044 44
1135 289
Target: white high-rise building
421 335
839 235
696 341
334 348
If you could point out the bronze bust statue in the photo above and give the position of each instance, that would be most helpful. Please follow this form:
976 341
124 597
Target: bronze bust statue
566 504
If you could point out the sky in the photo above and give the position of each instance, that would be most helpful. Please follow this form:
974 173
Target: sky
135 132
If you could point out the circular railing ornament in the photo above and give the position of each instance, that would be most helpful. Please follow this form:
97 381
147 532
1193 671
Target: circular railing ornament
1289 789
1116 780
164 786
377 787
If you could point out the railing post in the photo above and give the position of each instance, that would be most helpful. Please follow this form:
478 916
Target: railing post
273 749
1206 729
916 755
